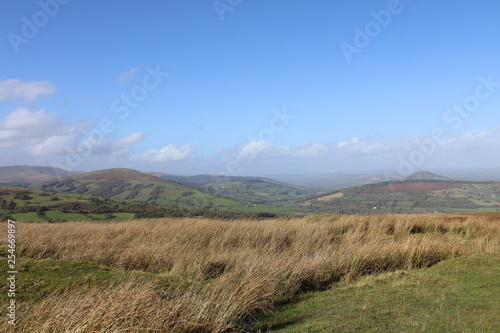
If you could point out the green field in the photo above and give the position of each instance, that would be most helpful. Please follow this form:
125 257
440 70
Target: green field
412 197
30 205
256 191
458 295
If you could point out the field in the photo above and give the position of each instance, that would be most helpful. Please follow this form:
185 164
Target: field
31 205
202 275
415 196
256 191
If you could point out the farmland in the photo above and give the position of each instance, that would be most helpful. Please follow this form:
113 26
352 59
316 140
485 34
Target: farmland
31 205
415 196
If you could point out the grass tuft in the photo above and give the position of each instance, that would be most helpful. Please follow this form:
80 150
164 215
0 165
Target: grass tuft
201 275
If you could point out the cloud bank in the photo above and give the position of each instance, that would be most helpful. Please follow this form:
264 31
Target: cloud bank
15 89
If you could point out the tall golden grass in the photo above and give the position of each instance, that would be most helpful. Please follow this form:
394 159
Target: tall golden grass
225 273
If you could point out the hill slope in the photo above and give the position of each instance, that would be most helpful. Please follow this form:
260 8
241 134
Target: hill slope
428 300
426 175
24 174
128 184
132 185
412 196
250 189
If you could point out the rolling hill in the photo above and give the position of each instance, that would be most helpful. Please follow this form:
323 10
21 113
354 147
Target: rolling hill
24 174
250 189
128 184
135 186
426 175
413 195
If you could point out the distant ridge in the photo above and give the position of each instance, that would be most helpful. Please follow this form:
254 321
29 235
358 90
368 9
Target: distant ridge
201 180
426 175
25 174
120 174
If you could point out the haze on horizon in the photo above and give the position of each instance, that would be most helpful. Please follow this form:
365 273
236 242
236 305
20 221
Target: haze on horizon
250 87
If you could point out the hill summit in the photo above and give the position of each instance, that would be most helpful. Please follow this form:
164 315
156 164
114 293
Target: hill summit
24 174
120 174
426 175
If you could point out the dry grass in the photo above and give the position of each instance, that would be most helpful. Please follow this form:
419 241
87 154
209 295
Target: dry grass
229 272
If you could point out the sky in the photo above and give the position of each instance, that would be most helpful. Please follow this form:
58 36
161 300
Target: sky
240 87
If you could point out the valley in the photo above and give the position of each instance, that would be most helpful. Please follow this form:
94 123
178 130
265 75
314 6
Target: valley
121 194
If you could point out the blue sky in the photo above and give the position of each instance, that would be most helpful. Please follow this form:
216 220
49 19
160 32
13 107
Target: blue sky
250 87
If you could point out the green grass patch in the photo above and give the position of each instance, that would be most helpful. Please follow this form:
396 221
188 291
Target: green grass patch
122 216
38 278
458 295
27 217
57 215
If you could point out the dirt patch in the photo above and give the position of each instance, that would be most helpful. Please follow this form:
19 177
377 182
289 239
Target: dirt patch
331 196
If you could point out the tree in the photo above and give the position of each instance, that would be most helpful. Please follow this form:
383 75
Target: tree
40 212
12 205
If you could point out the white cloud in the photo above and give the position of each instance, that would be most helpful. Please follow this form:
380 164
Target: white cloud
307 149
29 91
168 153
39 133
52 145
351 141
254 147
123 145
129 140
473 139
357 145
24 124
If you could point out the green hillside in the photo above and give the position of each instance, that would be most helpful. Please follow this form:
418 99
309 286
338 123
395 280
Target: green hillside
257 190
249 189
119 194
132 185
412 196
458 295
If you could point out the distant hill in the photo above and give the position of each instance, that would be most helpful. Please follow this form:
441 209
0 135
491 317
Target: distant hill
128 184
250 189
200 180
120 174
412 196
24 174
321 183
133 185
426 175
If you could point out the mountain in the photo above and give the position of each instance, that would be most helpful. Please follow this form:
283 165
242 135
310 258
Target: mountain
426 175
128 184
327 182
200 180
411 196
120 174
251 189
132 185
24 174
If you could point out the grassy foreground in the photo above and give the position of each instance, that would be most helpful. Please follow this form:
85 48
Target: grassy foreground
458 295
200 275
